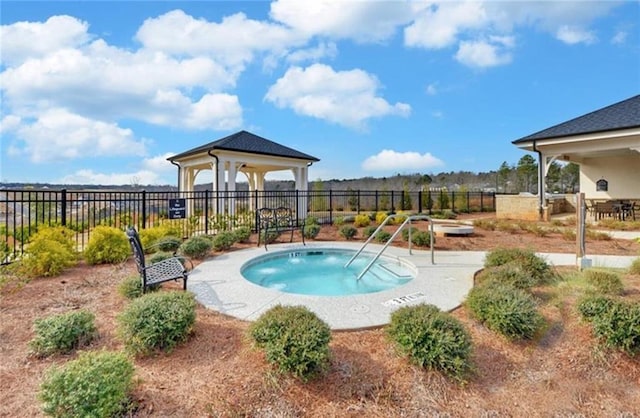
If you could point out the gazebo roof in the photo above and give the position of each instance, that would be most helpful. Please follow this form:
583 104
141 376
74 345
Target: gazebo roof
621 115
247 142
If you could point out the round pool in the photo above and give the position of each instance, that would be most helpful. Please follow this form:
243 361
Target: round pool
321 272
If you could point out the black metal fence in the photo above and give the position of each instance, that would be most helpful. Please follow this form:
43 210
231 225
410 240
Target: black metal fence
22 212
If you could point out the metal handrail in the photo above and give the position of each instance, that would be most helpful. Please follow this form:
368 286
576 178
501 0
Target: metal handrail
395 234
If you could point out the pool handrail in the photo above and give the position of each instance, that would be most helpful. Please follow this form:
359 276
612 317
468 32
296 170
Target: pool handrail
395 234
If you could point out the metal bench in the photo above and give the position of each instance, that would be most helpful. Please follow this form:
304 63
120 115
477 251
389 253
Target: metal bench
163 271
276 221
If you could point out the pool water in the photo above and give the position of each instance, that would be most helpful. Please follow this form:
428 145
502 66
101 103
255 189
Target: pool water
322 272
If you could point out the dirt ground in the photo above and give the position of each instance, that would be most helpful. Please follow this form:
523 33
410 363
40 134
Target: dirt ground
562 373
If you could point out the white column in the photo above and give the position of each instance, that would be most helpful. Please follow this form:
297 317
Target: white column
259 180
231 188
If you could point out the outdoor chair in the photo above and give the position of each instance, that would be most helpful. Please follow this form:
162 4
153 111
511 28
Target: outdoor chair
172 268
275 221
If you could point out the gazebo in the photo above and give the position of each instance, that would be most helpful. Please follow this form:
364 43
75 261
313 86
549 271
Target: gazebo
606 145
242 152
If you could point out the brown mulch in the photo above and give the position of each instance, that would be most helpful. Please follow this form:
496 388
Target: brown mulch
564 372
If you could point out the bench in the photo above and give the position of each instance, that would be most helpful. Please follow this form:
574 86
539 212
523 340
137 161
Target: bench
276 221
168 269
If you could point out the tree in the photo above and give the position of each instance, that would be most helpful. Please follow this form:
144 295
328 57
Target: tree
553 177
527 174
504 172
570 177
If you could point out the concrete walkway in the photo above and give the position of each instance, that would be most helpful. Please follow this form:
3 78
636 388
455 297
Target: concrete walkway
219 285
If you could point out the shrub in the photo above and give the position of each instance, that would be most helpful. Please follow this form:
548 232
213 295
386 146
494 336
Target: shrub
159 256
598 235
368 231
107 245
592 306
339 221
311 231
383 236
619 327
361 220
224 241
505 309
380 217
509 274
603 281
50 251
405 232
149 237
242 234
348 232
269 236
63 333
131 287
196 247
527 260
311 220
422 239
294 339
169 244
157 322
96 384
635 266
432 339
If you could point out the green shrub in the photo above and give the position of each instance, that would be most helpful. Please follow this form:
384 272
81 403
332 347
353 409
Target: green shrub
168 244
268 237
50 251
311 220
311 231
224 241
339 221
63 333
242 234
422 239
505 309
149 237
432 339
361 220
348 232
107 245
592 306
509 274
96 384
405 232
368 231
619 327
157 322
383 236
603 281
635 266
294 339
196 247
131 287
527 260
159 256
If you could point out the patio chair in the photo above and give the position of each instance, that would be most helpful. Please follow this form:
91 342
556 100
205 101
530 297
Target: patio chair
172 268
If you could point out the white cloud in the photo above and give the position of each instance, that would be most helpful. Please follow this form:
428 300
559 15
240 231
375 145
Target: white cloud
58 135
23 40
482 54
232 42
159 163
346 98
432 89
141 177
439 25
620 37
362 21
323 50
573 35
389 160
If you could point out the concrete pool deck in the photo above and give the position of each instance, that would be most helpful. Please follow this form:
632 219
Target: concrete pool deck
219 285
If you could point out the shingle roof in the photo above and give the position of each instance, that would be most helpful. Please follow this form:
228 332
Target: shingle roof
244 141
621 115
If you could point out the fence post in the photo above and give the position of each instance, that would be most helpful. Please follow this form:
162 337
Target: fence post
206 212
453 201
330 207
144 209
358 211
63 207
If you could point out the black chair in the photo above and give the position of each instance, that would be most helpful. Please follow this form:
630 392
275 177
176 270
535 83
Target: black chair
172 268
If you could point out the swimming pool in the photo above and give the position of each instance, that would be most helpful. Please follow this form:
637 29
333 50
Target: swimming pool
321 272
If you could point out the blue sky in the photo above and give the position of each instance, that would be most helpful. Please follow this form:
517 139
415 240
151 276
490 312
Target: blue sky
103 92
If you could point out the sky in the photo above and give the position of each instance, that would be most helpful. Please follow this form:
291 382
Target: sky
103 92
